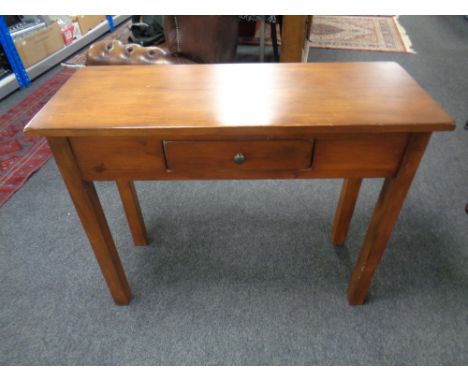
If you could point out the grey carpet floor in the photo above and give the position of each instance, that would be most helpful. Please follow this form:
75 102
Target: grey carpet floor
243 272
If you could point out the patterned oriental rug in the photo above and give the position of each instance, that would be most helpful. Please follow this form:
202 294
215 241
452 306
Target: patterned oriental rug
20 156
376 33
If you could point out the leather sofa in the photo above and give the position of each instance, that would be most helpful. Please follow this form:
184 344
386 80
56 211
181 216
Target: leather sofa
189 39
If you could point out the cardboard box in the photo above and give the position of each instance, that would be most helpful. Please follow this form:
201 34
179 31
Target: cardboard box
87 23
39 45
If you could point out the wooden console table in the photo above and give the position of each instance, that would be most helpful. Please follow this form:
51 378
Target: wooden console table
326 120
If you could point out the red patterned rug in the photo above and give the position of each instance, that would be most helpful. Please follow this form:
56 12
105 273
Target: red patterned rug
21 156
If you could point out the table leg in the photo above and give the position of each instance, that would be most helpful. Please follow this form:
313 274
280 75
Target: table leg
385 215
293 38
262 39
133 211
344 212
92 218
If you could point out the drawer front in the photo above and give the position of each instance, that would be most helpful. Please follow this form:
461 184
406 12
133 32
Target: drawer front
106 158
238 156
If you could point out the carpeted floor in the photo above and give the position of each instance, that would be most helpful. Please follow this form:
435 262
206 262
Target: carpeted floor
243 272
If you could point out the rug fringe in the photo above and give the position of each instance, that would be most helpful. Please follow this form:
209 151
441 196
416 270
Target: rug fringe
73 66
404 36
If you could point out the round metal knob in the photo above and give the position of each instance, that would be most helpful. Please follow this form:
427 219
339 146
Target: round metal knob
239 158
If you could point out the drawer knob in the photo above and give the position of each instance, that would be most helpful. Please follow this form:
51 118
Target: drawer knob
239 158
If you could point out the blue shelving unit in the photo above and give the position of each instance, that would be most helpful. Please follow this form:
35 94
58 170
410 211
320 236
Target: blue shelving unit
12 55
21 77
110 20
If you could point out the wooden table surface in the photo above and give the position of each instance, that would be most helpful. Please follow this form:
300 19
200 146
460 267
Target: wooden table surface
240 121
318 97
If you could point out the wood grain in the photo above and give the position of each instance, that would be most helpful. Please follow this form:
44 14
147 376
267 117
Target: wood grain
377 152
385 215
335 156
295 98
340 120
344 212
293 38
88 207
132 210
110 157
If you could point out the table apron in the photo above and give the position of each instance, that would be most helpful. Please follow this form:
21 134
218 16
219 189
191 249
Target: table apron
174 158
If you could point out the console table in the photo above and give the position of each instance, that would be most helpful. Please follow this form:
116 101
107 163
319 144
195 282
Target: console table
321 120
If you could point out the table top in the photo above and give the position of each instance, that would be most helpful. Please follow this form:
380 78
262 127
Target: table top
316 97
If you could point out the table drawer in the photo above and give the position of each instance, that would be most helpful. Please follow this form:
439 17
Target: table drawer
235 156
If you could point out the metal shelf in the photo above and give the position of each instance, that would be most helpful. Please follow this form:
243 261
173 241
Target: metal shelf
9 83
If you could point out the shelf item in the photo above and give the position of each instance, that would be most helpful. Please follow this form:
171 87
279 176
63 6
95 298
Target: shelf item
39 45
88 23
5 67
